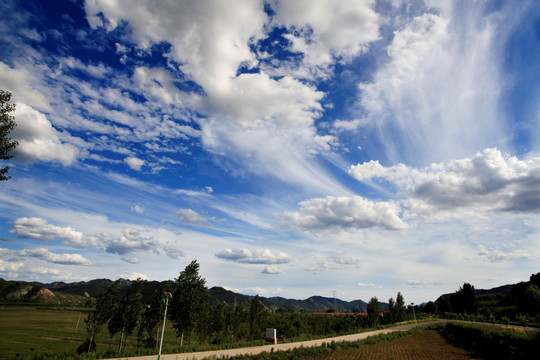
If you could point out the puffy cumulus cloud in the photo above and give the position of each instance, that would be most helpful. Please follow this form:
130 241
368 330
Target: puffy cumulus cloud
10 266
209 38
191 217
246 256
135 276
323 30
39 229
343 213
134 163
272 270
64 259
439 90
138 208
19 82
131 240
39 140
488 180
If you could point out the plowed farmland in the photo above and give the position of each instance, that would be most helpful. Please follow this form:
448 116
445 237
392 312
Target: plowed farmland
426 345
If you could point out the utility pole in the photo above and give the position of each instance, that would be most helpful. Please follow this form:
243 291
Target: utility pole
335 306
168 296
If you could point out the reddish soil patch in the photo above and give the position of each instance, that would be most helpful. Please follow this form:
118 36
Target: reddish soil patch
426 345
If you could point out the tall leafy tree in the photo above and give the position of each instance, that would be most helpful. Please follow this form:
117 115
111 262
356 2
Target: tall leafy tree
400 308
102 313
7 123
373 311
127 313
190 298
392 310
152 317
256 315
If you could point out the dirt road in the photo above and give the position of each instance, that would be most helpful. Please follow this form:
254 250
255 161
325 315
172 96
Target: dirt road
277 347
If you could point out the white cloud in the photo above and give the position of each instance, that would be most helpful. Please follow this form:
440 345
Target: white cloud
10 267
173 253
134 163
46 255
39 229
489 180
343 213
131 240
38 140
439 92
347 259
327 29
272 270
498 255
361 284
130 260
191 217
246 256
135 276
266 123
138 208
19 82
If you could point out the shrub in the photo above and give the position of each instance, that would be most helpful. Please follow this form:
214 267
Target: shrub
492 343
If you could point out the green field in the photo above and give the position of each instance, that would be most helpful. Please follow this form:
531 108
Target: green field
26 332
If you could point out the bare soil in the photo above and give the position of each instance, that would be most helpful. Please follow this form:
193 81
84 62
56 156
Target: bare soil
426 345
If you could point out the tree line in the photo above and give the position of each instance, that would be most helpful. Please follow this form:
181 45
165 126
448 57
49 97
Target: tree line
520 304
196 321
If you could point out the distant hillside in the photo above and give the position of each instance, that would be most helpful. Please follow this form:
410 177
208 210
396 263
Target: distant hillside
17 292
79 293
84 293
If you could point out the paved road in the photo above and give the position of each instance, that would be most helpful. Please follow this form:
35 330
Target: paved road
267 348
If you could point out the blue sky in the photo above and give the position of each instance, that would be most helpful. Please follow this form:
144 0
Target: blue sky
294 148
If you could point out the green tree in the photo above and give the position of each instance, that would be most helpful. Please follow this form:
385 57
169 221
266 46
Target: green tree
127 313
102 313
391 310
400 308
373 311
152 317
7 123
190 297
468 298
256 316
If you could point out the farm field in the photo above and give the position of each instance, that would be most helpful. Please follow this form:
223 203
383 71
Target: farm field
27 330
425 345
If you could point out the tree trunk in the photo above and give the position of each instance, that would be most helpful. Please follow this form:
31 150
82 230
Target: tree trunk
121 340
90 344
182 339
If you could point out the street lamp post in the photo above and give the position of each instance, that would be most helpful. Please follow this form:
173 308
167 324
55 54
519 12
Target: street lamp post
412 305
168 296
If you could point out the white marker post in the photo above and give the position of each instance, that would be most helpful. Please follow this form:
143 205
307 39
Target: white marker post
271 335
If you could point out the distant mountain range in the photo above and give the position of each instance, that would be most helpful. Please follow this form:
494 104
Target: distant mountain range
84 293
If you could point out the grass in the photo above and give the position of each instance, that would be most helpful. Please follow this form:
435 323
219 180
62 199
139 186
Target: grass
27 330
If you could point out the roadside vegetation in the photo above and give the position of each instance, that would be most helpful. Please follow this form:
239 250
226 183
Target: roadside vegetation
119 324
